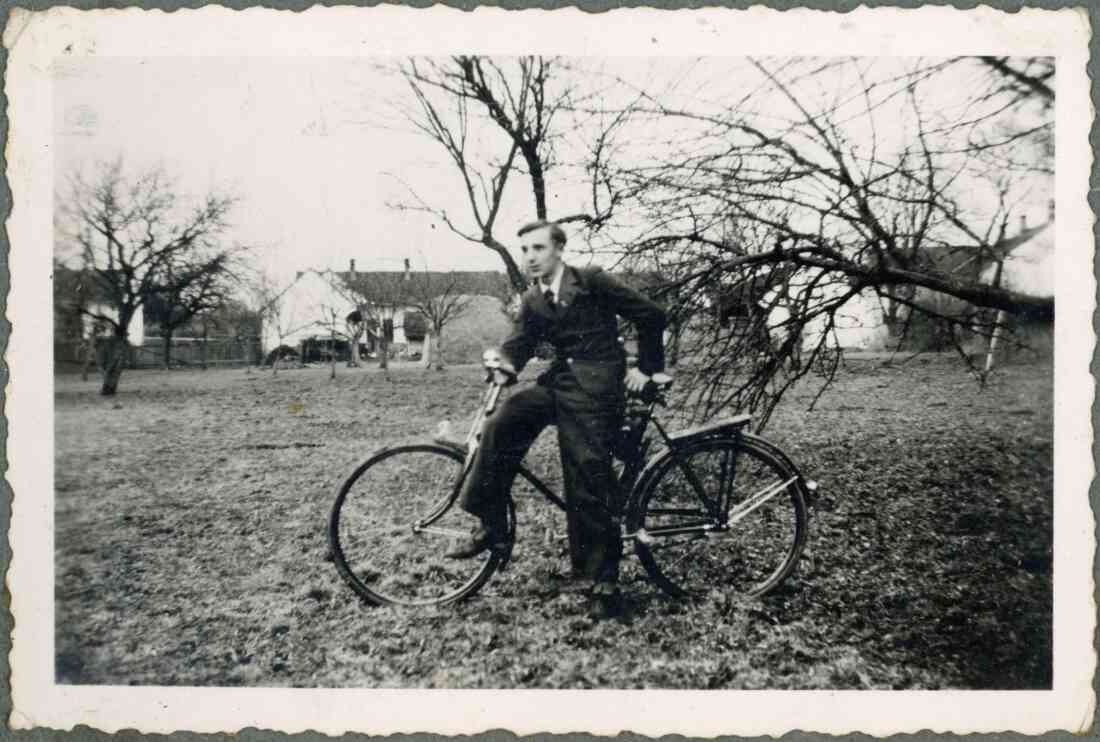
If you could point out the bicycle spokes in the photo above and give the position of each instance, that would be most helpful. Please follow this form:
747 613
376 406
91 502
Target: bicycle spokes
720 515
758 500
396 521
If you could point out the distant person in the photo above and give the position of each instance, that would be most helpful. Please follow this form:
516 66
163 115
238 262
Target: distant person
583 393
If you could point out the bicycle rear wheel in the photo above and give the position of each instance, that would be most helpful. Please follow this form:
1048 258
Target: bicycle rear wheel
721 514
393 521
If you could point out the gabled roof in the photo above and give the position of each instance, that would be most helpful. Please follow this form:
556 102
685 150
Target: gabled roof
965 259
473 283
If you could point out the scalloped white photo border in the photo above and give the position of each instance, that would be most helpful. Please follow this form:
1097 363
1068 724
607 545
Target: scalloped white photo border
35 39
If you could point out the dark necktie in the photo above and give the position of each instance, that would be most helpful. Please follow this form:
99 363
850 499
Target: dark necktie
549 296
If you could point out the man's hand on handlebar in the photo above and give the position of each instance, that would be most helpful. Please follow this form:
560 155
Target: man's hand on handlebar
497 370
500 377
636 380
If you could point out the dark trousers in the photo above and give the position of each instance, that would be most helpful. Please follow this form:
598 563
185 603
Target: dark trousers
587 425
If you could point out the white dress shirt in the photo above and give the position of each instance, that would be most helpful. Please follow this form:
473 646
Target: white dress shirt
554 286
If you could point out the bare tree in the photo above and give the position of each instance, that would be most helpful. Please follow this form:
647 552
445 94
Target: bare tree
244 323
128 231
378 298
333 316
525 101
187 288
355 329
1022 77
845 182
440 299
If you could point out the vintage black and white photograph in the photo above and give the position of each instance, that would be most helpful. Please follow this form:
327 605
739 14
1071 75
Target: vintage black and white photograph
555 371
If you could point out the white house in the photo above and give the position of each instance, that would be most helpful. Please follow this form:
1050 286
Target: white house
862 324
303 309
1029 265
135 333
308 305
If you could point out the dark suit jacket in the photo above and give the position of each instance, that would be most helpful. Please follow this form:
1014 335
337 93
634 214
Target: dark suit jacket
584 331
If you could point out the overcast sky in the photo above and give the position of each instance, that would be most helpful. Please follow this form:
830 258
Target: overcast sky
285 135
310 144
311 147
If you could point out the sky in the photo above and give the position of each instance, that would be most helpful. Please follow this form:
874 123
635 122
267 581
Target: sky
287 136
311 146
313 149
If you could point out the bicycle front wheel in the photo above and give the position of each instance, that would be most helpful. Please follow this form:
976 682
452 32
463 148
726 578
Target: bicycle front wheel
392 523
722 514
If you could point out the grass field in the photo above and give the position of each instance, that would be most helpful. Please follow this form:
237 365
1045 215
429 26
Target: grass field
190 527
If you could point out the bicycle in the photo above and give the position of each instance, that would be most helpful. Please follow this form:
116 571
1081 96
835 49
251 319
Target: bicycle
395 515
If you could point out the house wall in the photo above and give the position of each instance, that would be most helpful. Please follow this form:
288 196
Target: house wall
1029 268
859 325
135 333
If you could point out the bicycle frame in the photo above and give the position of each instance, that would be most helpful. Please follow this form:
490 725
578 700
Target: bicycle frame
473 442
633 465
634 475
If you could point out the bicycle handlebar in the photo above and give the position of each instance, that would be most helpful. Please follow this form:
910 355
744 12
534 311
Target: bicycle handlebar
492 361
653 389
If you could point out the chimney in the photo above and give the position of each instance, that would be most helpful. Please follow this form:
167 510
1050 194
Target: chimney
1023 223
407 269
351 267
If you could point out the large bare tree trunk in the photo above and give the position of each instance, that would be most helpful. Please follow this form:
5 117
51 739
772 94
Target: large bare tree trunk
384 351
112 373
89 357
332 352
353 358
426 352
437 349
515 275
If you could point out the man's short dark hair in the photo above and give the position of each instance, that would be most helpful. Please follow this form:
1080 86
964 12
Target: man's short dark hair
557 234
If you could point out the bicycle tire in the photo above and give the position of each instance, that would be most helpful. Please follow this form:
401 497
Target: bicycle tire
367 497
787 509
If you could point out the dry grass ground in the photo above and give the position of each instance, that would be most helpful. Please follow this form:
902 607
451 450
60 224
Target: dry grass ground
190 527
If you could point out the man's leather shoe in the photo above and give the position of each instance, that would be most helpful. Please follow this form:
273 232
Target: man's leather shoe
605 602
479 540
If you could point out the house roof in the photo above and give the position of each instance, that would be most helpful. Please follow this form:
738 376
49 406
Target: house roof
474 283
964 259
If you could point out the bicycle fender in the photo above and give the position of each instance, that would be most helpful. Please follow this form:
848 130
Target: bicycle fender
655 462
778 453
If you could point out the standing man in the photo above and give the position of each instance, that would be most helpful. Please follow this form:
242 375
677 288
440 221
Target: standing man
583 393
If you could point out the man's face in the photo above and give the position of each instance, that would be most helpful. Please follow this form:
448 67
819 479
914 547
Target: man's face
541 255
